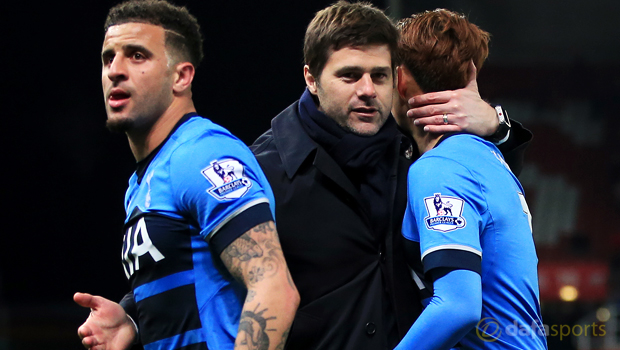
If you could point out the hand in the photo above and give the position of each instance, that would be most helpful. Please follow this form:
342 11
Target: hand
107 327
465 110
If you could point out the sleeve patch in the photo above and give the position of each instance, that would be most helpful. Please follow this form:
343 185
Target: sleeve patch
445 213
228 180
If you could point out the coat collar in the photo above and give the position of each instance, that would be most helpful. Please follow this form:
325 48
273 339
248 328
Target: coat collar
293 143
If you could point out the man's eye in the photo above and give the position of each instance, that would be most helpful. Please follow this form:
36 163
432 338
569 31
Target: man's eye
138 56
107 60
380 76
350 76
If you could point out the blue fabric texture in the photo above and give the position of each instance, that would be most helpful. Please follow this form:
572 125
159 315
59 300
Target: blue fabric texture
463 201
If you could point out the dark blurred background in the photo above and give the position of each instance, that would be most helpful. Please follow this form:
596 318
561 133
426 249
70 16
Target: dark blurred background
554 65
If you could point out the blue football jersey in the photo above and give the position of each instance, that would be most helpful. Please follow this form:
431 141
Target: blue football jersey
467 210
200 185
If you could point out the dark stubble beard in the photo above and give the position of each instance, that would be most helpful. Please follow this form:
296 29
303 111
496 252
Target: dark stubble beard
121 125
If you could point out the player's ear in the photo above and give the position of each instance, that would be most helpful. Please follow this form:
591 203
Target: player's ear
401 84
183 77
406 85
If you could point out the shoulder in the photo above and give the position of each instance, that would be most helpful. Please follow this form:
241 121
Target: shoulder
199 144
264 144
200 140
284 143
461 151
433 165
269 158
203 131
452 163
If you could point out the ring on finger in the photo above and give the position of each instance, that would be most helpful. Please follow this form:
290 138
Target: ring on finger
445 118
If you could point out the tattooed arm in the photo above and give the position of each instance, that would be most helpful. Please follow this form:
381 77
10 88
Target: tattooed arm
256 260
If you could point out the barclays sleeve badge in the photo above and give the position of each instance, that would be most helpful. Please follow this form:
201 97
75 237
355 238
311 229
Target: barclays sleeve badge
228 179
444 213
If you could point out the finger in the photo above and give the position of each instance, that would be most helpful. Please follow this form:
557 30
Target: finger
429 111
86 300
442 129
472 84
84 332
433 120
89 342
430 98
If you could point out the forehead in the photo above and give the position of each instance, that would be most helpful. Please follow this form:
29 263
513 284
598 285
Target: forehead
144 34
371 56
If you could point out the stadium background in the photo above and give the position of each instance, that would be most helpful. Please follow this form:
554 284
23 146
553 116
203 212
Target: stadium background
554 65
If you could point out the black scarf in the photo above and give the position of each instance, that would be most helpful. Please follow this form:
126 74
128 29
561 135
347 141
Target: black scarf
349 150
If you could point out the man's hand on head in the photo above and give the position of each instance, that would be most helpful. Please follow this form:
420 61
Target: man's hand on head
463 109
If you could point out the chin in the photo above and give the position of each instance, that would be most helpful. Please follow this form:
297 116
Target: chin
119 124
365 130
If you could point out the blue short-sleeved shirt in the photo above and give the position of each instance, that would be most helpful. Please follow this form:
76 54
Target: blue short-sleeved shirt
198 192
467 211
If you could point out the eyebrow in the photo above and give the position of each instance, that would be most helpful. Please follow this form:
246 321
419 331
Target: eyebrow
107 52
128 47
384 69
380 69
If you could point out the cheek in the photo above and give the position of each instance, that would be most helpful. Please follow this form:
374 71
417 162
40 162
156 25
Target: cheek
387 94
105 84
339 97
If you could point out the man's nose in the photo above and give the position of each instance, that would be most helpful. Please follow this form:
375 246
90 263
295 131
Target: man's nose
366 87
117 70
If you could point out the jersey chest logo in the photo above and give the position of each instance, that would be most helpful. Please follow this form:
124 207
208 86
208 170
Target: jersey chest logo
445 213
136 243
228 179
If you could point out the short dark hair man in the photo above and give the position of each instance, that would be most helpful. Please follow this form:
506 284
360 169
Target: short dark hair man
199 209
338 164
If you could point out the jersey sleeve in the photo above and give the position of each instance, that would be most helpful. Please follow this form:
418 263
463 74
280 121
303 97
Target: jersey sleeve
446 209
454 309
220 184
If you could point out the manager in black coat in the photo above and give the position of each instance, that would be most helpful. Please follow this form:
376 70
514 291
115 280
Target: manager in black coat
338 163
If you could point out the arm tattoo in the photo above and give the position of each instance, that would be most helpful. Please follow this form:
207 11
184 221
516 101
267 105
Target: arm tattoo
250 296
283 342
255 255
265 228
253 330
244 248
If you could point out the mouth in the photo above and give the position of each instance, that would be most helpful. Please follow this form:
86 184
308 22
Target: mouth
118 98
365 112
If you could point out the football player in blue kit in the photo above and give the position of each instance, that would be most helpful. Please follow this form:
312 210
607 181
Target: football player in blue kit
200 249
479 254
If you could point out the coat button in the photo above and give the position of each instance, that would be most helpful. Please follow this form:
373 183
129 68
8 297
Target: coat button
382 256
370 328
